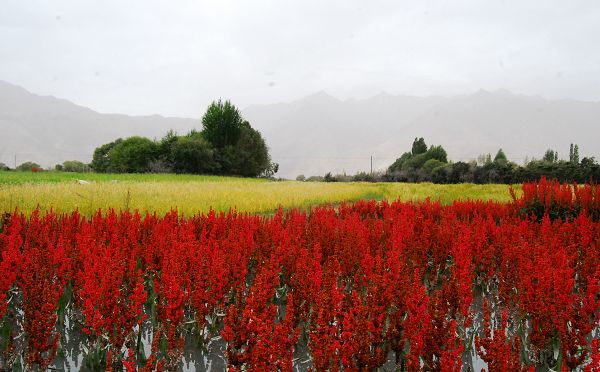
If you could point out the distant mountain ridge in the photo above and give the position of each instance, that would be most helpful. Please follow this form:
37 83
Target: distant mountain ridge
49 130
320 133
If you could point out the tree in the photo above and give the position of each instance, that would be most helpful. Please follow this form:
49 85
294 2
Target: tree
250 155
431 164
484 159
271 170
227 144
500 157
133 155
4 167
73 166
239 149
29 166
192 154
418 146
438 153
329 178
221 124
588 162
460 172
550 156
165 146
397 165
101 162
574 154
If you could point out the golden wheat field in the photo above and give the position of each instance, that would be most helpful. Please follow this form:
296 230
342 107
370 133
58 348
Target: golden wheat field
194 194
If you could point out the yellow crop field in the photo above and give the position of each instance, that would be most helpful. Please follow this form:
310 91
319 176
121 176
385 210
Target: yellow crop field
191 195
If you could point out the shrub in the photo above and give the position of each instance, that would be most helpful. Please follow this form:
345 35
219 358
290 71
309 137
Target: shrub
29 166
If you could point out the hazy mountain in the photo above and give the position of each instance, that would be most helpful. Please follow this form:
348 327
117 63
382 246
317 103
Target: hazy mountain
49 130
320 133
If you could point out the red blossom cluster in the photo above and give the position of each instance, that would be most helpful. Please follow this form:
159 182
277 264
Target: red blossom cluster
418 286
556 200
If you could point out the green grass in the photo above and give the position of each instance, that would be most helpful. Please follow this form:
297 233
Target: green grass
191 194
19 178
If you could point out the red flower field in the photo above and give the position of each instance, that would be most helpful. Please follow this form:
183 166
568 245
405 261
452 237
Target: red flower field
407 285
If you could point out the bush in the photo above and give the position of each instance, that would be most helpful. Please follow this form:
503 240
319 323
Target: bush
29 167
363 177
102 161
329 178
192 154
226 145
73 166
133 155
432 163
250 155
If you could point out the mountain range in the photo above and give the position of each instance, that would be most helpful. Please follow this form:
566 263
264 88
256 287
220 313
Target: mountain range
320 133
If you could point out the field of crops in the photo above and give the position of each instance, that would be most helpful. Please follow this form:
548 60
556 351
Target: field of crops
406 286
63 192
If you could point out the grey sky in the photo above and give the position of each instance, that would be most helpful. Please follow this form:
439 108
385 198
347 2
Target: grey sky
174 57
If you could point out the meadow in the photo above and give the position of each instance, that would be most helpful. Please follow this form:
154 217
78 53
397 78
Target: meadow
190 194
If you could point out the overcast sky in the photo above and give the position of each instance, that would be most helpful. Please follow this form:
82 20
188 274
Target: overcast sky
174 57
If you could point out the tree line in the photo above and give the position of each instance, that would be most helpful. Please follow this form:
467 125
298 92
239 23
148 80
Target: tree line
226 145
431 164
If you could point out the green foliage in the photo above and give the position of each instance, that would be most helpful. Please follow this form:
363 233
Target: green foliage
250 155
418 146
574 154
550 156
500 157
397 165
329 178
484 159
4 167
432 166
418 165
460 172
588 162
440 173
364 177
102 162
192 154
226 145
133 155
221 124
165 147
73 166
438 153
270 171
29 166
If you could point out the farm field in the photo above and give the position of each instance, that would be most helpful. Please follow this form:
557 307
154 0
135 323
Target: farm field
192 194
404 286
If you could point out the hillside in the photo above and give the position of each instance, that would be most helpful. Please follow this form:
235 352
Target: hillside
49 130
320 133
